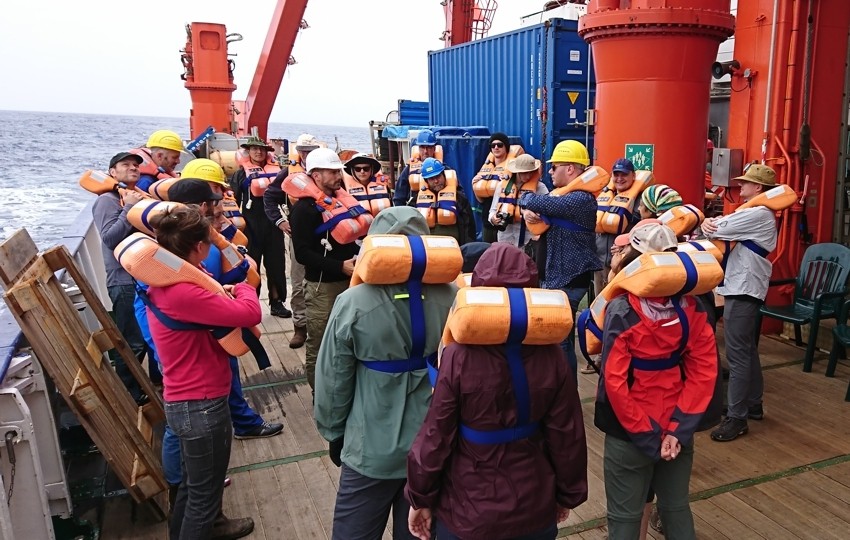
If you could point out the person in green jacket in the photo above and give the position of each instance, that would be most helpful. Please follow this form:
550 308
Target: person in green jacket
368 411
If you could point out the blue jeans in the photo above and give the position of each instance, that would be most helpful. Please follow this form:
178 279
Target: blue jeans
205 433
122 297
243 416
569 345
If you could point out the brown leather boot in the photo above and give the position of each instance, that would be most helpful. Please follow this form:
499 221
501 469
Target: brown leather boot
230 529
299 338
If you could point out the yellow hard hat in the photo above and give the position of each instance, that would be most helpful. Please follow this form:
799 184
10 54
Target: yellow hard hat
206 170
165 139
570 152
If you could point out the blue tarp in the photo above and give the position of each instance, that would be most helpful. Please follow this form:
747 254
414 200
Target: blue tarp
401 132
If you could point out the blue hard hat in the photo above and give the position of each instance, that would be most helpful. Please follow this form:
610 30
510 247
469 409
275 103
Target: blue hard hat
426 138
431 167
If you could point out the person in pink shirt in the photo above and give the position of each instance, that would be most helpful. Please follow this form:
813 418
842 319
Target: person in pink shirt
196 373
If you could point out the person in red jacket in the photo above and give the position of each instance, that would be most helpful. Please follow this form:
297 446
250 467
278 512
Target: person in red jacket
659 366
196 374
516 489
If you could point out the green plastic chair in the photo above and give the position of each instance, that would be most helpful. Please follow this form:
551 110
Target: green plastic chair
819 291
840 341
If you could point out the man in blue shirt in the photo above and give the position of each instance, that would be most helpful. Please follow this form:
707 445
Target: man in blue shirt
570 241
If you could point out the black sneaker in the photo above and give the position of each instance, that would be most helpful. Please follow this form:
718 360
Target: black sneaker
266 429
729 430
279 310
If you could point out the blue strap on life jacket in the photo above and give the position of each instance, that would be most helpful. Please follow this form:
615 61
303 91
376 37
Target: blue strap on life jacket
749 244
417 359
696 214
755 248
217 332
352 213
565 224
586 322
624 214
145 213
513 349
451 206
691 274
371 196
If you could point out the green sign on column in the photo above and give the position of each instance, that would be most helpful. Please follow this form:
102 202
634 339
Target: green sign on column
642 155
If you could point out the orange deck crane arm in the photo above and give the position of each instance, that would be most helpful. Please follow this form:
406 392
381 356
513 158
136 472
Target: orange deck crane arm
467 20
275 56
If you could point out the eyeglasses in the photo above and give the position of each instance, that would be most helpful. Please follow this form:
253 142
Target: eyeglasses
497 145
363 168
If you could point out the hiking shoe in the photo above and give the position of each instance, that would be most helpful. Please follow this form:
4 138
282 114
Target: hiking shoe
230 529
729 430
756 412
299 338
266 429
279 310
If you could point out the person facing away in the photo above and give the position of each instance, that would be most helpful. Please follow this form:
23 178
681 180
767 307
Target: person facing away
744 288
570 253
407 188
196 373
278 206
328 265
160 155
257 169
370 415
505 214
109 214
443 204
623 172
659 365
515 489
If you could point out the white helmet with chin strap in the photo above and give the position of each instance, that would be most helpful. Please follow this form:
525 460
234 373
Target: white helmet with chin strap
323 158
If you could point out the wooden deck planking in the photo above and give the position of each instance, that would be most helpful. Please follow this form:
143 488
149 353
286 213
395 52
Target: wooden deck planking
289 487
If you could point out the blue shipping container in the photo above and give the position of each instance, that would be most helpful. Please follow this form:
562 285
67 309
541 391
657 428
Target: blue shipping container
412 113
531 83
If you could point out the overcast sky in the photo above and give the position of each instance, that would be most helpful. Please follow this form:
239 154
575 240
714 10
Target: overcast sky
117 57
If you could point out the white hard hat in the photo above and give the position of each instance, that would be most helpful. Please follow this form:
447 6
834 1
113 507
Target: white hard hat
323 158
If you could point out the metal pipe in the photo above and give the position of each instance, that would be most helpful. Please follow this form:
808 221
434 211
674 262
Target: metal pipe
782 240
587 111
769 80
791 76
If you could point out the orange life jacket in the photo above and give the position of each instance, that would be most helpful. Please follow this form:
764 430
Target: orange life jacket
439 209
98 182
592 180
342 215
258 177
148 166
415 165
484 183
614 210
294 164
374 196
159 189
231 212
509 196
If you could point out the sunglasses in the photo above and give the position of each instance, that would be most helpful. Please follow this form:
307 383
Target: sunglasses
497 145
363 168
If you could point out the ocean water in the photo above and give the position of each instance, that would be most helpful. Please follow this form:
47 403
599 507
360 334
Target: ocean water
42 156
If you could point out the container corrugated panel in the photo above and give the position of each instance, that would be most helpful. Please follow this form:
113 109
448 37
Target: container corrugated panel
412 113
531 83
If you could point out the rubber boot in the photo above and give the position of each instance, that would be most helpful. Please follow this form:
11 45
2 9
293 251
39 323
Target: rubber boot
299 338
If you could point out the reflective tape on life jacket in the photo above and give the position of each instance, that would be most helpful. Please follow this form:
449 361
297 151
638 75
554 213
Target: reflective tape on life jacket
776 198
614 209
141 214
439 209
592 180
509 196
518 326
155 266
414 179
418 259
464 280
664 274
149 167
683 220
373 197
388 259
342 215
485 183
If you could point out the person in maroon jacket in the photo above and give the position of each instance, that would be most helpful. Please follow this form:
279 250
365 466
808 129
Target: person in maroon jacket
516 489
